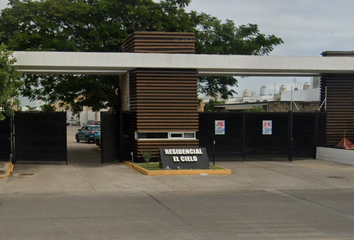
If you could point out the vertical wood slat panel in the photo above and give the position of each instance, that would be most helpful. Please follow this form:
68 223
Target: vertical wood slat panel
160 42
340 106
163 101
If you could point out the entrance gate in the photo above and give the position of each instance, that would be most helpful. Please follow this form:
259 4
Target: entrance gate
293 135
40 137
5 139
115 140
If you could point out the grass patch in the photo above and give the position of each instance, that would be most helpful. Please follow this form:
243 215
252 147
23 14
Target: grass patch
155 166
149 166
214 167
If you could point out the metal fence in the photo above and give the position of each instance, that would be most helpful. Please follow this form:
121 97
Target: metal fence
292 135
5 139
40 136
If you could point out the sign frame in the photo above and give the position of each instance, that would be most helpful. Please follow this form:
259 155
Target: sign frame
184 158
220 127
267 127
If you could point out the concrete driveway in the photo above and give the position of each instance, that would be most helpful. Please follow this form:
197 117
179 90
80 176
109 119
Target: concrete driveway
307 199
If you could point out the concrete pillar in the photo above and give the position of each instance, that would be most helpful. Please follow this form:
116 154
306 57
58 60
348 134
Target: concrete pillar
124 90
96 116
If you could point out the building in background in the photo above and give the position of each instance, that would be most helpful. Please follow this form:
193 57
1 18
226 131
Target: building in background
307 98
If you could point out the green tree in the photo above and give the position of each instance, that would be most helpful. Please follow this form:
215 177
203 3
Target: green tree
210 106
255 109
9 82
30 108
48 108
101 26
216 37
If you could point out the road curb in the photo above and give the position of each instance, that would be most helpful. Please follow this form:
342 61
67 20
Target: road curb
178 172
10 168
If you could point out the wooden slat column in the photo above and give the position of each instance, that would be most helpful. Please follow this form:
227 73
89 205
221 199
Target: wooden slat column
340 102
340 106
162 100
160 42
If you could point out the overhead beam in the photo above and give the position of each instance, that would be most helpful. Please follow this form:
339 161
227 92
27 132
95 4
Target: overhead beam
119 63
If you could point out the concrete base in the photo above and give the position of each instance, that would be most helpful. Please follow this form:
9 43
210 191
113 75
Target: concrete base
179 172
335 155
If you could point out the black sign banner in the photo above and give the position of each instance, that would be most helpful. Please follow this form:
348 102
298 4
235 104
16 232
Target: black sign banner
184 158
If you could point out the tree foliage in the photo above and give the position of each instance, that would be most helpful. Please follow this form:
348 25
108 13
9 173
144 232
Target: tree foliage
9 82
101 26
210 106
255 109
217 37
48 108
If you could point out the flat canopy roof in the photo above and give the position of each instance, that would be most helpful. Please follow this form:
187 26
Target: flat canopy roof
97 63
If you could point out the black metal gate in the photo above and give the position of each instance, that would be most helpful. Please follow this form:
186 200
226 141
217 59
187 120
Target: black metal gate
115 140
293 135
266 146
40 136
226 146
5 139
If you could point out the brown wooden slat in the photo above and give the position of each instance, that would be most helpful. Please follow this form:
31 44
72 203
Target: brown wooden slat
340 106
164 101
162 42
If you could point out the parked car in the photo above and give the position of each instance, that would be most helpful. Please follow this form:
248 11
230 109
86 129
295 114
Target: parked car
92 122
88 133
72 122
89 122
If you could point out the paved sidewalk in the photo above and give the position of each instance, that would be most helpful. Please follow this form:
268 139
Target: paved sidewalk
260 200
89 176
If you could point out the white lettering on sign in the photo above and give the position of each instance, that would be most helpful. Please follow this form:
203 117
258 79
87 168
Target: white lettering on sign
175 159
191 151
185 159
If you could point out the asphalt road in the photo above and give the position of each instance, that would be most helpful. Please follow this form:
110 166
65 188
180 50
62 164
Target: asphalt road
306 199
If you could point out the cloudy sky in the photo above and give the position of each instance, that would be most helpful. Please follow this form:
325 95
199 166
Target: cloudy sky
308 27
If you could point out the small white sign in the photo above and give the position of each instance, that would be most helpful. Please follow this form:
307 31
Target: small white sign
219 127
267 127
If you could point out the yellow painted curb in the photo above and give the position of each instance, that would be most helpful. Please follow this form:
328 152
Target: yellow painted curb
9 170
98 149
178 172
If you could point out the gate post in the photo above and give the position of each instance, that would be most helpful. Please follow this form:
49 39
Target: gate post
290 135
13 138
121 136
243 137
316 134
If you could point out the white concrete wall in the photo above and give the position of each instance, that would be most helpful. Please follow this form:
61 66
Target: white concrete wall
335 155
302 95
85 115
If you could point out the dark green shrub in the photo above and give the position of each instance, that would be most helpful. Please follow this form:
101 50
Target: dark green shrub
146 155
